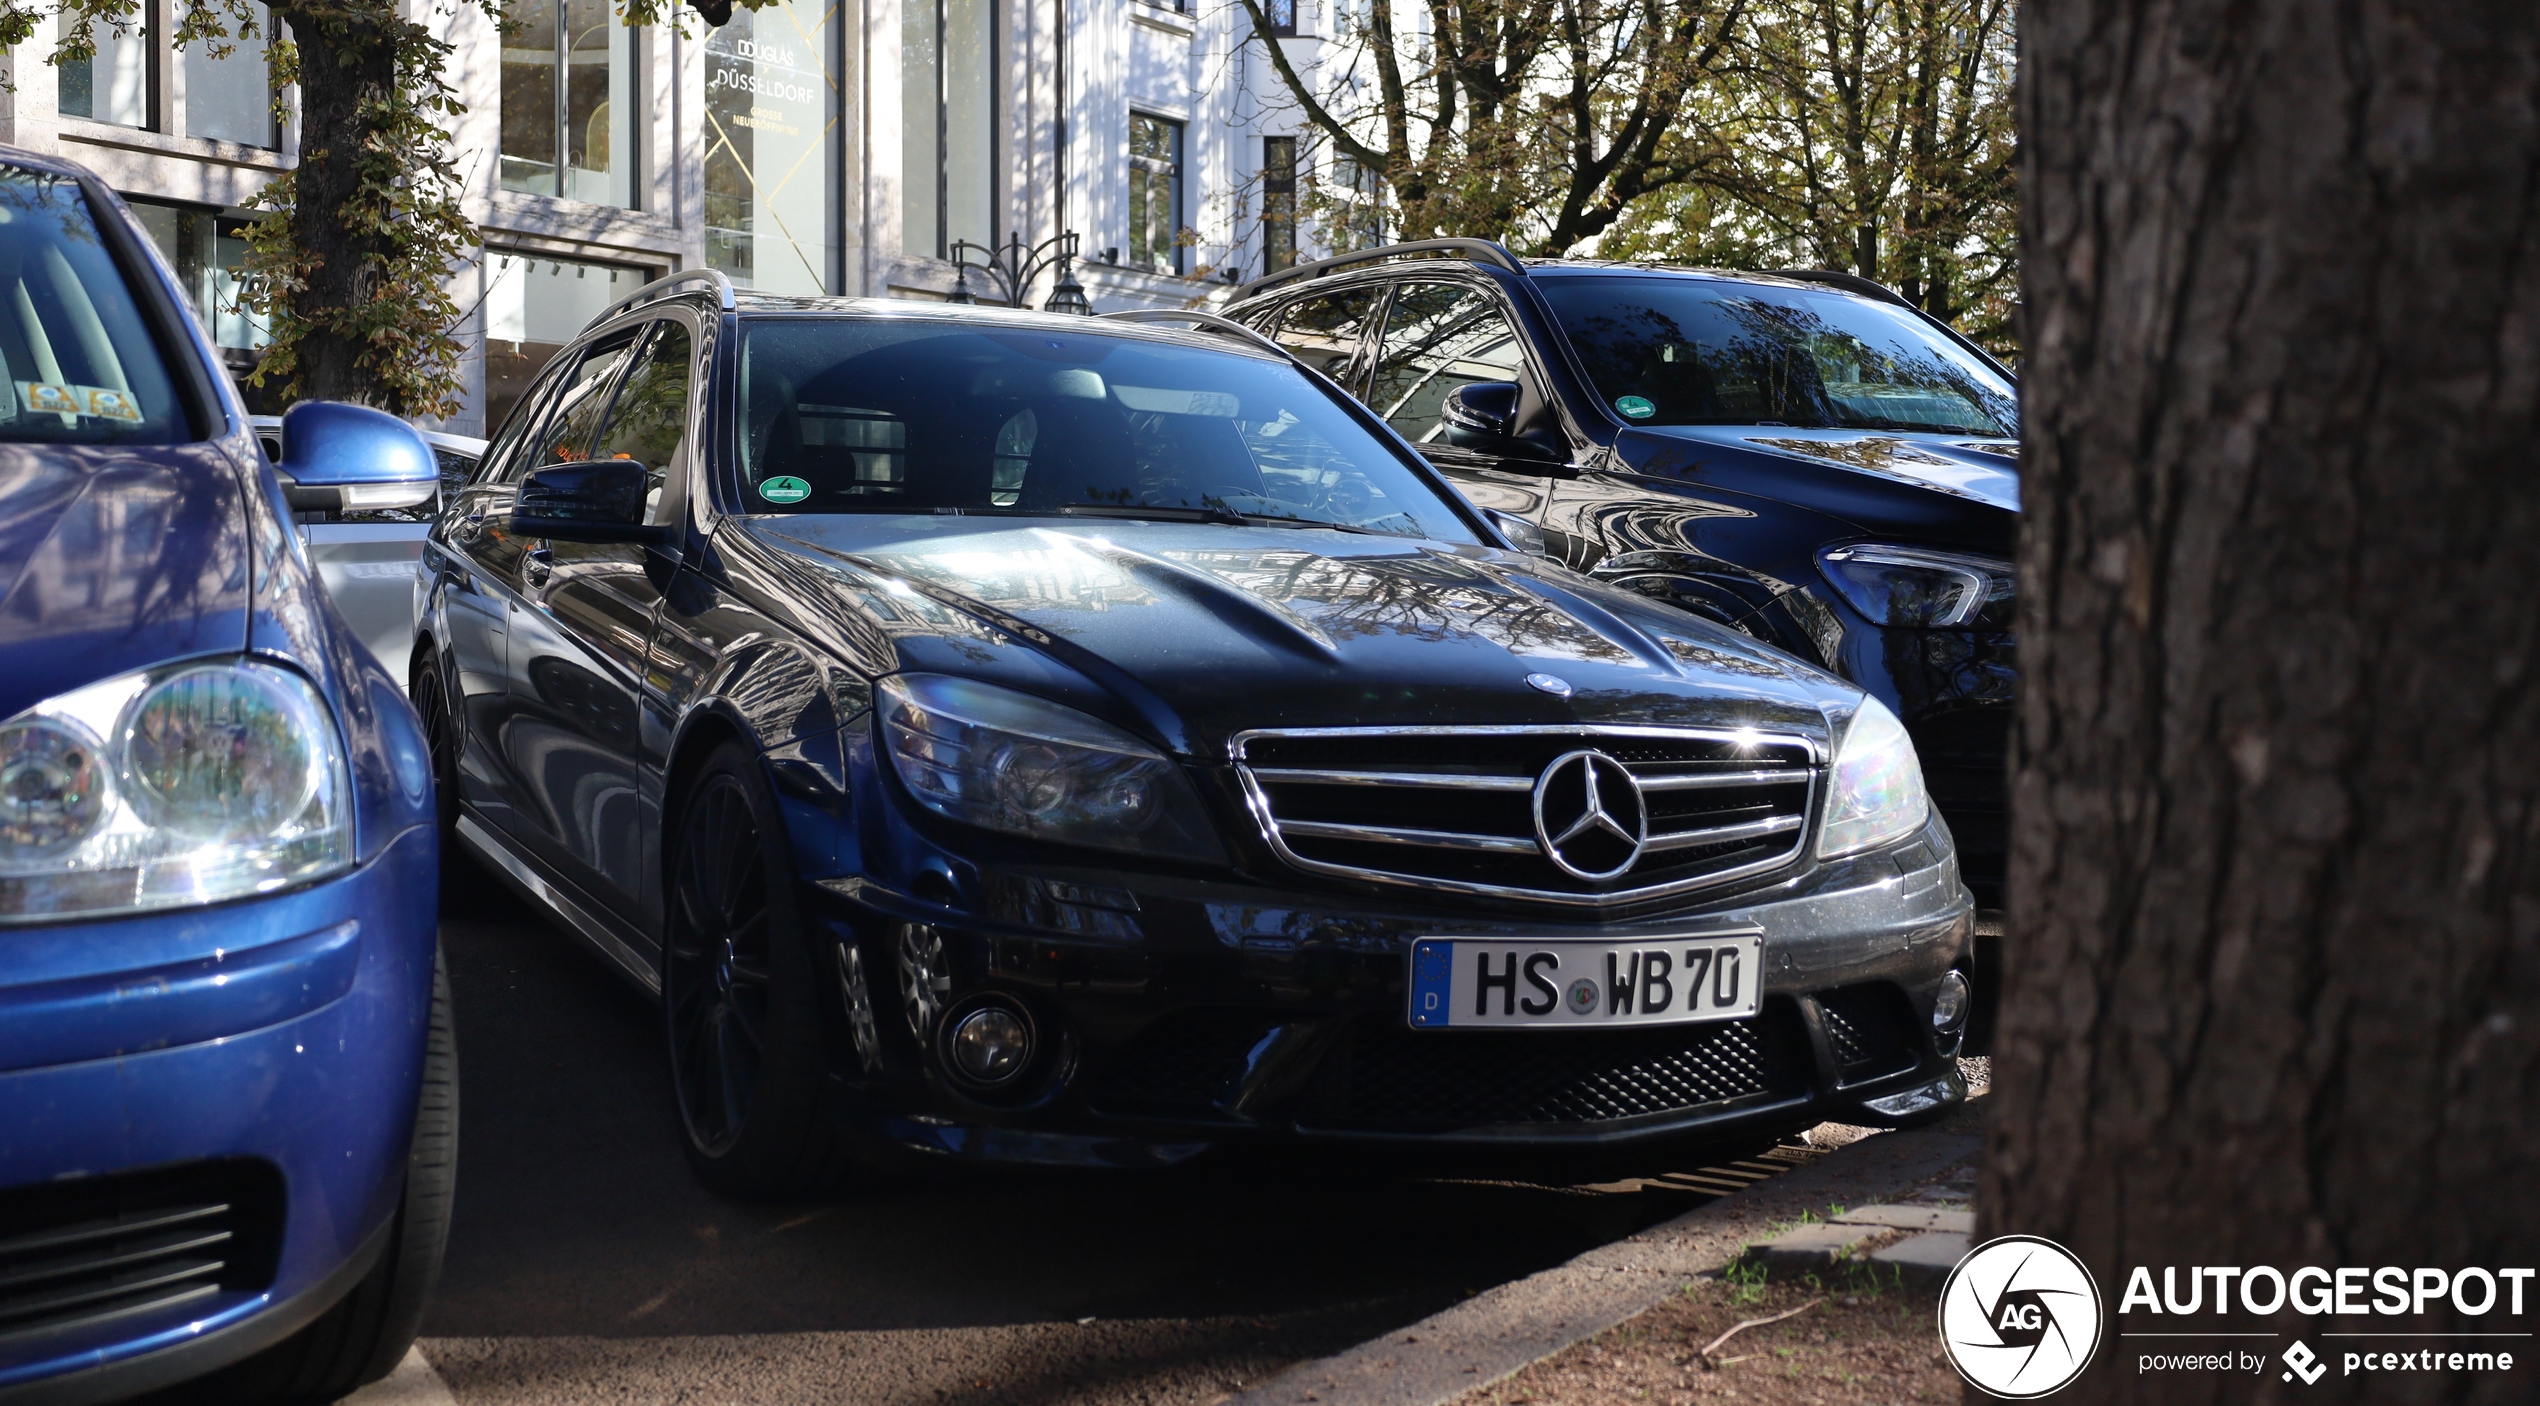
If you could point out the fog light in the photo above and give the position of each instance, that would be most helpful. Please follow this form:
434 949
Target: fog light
991 1045
1949 1004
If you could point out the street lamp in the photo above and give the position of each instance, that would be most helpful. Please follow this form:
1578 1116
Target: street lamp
1012 267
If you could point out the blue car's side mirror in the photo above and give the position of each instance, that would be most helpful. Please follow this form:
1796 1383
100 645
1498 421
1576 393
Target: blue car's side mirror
339 457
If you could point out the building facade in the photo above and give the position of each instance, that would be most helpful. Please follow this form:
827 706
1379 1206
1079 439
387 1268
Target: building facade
812 146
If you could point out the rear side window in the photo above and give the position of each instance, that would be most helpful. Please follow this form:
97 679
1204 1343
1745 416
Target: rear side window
77 360
1324 332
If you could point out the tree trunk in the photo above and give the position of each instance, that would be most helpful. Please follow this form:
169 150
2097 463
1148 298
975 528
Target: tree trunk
2273 995
348 72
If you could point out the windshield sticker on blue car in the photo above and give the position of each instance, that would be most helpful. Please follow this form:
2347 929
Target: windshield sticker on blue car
1635 407
784 489
45 397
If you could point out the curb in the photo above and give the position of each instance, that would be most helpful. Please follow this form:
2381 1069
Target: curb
1501 1330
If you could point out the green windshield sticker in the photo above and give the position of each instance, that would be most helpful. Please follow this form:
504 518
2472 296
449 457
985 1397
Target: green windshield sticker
784 489
1634 407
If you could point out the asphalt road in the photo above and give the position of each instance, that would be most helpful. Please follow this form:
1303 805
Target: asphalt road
586 1265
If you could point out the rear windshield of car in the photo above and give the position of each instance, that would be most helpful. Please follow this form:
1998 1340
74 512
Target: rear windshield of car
77 362
869 415
1694 351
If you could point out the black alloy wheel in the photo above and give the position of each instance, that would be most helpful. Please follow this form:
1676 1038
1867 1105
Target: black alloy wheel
740 988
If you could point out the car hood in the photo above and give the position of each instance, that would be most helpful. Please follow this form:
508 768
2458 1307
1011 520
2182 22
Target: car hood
1981 470
1203 631
113 560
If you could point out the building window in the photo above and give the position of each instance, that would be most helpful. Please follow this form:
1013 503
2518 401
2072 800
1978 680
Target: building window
1358 207
948 153
1278 203
568 102
207 249
229 98
1282 17
113 86
772 159
1155 193
533 307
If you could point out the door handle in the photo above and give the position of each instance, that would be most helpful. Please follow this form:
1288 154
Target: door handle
537 565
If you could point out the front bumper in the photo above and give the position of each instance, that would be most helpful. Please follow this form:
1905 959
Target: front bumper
262 1057
1179 1015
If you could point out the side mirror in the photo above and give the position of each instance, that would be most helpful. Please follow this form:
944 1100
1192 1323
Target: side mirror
1482 417
351 458
601 501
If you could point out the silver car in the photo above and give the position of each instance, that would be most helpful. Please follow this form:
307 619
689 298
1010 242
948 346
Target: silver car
367 558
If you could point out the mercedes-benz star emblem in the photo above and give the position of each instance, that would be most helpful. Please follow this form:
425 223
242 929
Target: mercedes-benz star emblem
1553 684
1589 816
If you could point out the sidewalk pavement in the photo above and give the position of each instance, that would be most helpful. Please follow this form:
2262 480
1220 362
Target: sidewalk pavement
1497 1332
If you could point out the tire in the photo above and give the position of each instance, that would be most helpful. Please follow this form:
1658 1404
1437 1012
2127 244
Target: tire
741 991
364 1336
430 695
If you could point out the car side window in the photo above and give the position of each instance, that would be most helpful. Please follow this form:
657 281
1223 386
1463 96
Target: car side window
649 422
503 458
1439 337
573 425
1324 331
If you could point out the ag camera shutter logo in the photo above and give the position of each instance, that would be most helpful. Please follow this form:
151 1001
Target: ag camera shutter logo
2020 1317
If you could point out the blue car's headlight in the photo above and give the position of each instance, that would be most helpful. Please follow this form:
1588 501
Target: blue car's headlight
1008 761
182 785
1874 791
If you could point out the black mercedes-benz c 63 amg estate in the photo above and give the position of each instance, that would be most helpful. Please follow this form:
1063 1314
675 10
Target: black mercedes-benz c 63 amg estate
1029 738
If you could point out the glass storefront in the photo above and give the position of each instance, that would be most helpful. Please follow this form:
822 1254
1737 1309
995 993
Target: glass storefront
230 98
772 157
533 306
208 249
948 153
568 102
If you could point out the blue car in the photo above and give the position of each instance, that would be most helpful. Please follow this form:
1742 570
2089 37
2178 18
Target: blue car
227 1086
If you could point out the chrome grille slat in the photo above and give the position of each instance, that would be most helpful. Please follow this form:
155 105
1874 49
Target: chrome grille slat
1391 835
1443 780
1723 834
1451 809
1704 781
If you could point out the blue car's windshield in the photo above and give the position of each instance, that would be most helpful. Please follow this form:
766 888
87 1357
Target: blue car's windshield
1674 350
873 415
77 364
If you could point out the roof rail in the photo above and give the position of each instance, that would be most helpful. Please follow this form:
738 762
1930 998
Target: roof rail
1485 250
663 288
1848 282
1205 319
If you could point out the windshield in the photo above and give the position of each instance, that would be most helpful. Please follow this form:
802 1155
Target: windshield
77 363
1695 351
860 415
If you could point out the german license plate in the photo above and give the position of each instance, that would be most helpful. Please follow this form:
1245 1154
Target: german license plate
1566 984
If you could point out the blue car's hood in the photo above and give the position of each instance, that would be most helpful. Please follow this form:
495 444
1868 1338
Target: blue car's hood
115 559
1982 470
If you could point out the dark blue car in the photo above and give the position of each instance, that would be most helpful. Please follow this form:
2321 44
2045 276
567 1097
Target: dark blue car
227 1088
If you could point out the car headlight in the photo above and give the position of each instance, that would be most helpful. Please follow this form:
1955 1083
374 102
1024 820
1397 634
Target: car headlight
1007 761
181 785
1875 792
1921 589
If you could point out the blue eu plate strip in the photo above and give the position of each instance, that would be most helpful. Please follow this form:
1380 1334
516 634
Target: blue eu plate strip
1432 978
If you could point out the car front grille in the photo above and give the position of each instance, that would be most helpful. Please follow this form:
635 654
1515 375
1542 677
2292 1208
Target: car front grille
1871 1028
1455 809
79 1253
1385 1074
